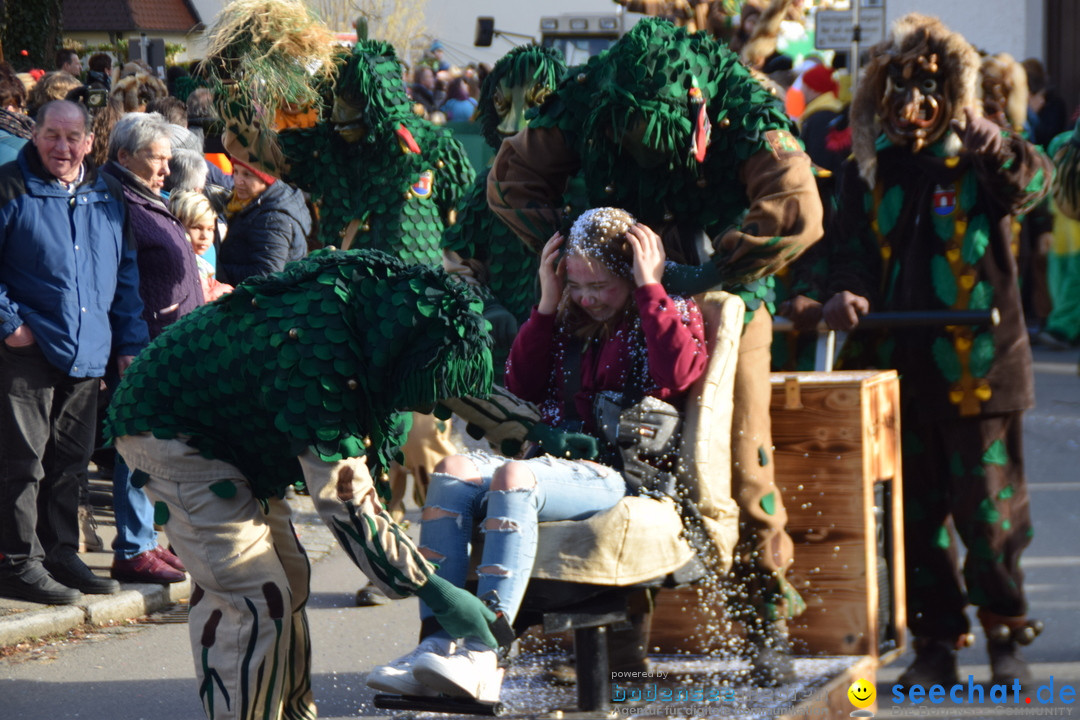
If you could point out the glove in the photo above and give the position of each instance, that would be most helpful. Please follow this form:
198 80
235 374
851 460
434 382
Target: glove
691 279
560 443
979 134
501 417
460 613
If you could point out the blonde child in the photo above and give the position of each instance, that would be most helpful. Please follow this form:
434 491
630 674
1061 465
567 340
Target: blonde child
197 215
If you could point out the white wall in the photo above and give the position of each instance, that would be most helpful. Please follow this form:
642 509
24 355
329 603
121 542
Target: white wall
1012 26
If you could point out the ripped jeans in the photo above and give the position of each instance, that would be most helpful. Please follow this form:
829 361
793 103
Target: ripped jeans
547 488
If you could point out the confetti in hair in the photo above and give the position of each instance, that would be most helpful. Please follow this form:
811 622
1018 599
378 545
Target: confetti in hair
600 234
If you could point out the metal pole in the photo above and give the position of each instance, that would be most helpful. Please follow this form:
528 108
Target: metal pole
908 318
591 663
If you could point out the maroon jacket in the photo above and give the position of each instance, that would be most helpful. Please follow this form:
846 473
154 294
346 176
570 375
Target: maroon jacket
168 272
674 336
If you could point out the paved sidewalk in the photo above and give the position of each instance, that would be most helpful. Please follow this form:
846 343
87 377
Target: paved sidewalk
25 621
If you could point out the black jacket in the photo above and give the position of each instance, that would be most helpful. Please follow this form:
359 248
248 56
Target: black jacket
271 231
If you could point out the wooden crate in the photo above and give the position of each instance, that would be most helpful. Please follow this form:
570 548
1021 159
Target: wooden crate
837 453
837 463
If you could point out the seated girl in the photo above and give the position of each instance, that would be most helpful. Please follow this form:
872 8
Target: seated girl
602 316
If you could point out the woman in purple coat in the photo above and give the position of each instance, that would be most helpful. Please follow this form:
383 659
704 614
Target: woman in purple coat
139 152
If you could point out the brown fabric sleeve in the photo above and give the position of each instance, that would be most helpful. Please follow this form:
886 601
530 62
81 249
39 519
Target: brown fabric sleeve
785 217
527 180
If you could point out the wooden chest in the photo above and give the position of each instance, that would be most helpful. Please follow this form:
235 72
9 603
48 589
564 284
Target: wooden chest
837 461
837 453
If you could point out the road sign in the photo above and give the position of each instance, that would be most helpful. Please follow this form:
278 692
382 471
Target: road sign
833 28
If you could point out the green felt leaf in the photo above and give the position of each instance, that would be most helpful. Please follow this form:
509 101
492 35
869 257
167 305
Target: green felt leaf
982 354
976 238
944 281
946 359
996 454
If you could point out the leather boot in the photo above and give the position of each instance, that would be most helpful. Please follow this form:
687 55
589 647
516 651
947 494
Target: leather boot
935 664
771 664
1004 636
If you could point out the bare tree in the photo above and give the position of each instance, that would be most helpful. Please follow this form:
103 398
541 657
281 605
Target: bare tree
402 23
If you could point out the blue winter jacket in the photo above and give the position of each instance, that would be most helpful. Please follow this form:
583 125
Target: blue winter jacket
67 266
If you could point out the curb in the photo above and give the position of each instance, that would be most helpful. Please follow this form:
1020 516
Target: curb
133 601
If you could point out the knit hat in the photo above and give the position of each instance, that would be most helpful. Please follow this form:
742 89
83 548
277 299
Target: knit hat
268 179
820 79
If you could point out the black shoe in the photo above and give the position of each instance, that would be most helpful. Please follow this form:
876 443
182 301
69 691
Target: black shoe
770 655
43 590
72 571
935 664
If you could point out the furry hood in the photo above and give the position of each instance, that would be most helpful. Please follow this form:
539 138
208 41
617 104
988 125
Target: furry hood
1004 88
910 36
138 90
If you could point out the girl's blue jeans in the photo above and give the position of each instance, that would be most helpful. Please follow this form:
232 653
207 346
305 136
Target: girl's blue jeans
563 490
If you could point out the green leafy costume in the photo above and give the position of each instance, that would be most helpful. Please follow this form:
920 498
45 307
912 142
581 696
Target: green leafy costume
925 223
673 128
322 355
479 247
396 185
297 375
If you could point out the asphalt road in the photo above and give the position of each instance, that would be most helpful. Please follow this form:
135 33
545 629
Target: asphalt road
145 671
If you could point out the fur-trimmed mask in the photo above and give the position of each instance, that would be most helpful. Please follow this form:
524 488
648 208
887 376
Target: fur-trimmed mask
916 82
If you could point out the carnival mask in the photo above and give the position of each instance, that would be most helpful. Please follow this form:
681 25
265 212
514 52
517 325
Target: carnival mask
347 118
513 101
916 107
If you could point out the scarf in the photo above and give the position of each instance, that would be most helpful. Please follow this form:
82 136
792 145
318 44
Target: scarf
235 205
17 124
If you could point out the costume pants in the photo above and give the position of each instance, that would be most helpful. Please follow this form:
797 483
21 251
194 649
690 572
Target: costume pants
962 477
428 443
564 490
765 550
46 437
249 633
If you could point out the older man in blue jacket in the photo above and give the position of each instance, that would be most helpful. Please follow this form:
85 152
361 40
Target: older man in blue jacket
68 301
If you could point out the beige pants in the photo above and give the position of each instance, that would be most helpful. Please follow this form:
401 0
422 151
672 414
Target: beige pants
428 443
765 549
248 626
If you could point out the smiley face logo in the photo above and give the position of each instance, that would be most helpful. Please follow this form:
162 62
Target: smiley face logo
861 693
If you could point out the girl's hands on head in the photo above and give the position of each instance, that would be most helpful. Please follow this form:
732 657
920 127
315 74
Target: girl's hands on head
552 274
649 254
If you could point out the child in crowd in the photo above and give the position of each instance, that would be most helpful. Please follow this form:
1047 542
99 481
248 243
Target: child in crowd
604 317
197 215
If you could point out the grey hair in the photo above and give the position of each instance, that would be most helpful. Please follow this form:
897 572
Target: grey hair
136 131
184 139
187 171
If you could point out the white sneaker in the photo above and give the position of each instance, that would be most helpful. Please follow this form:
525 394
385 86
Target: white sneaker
472 671
397 676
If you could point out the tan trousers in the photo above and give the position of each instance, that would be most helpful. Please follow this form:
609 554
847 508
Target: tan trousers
428 443
765 550
249 634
